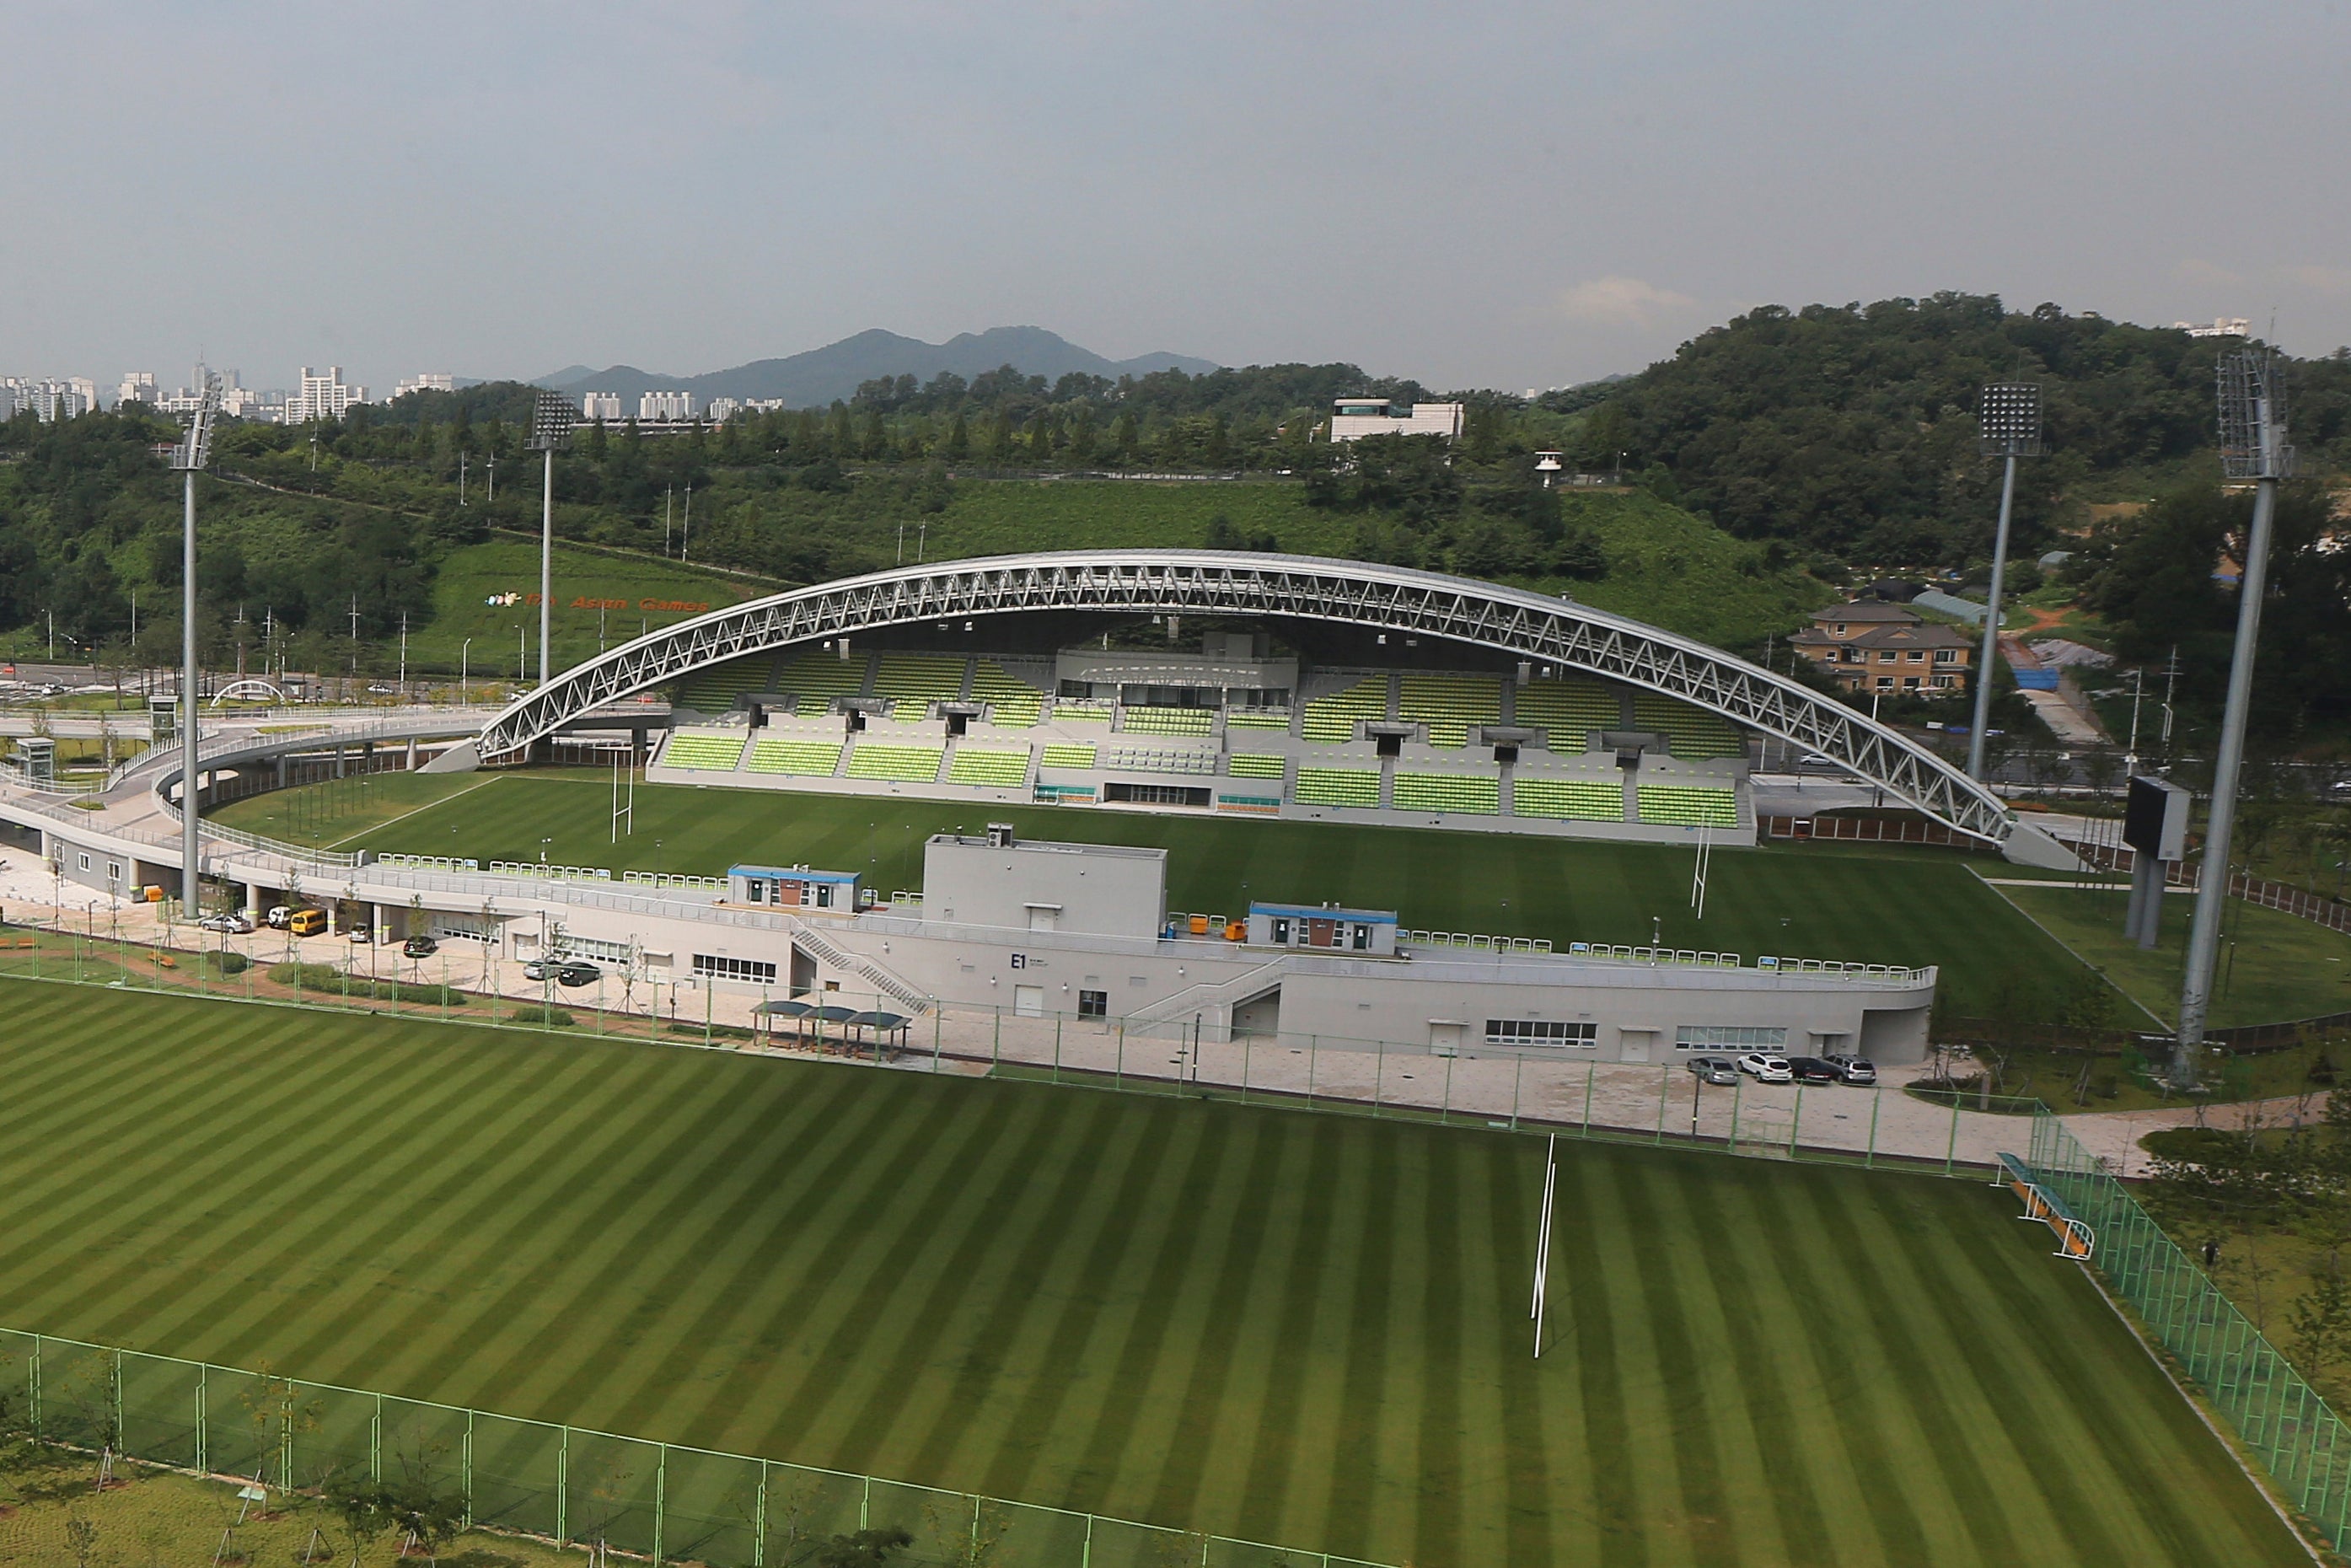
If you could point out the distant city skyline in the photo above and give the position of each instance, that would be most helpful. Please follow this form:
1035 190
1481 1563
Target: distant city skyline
1511 196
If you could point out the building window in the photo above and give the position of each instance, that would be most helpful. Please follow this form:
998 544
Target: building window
1947 656
1886 656
1909 683
724 968
1540 1031
1886 682
755 891
1729 1037
84 862
1094 1004
1840 628
1917 656
571 946
1946 680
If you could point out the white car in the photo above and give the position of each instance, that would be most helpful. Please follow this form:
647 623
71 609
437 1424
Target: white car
1766 1069
228 925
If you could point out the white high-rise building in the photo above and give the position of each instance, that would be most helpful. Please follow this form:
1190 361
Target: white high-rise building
1353 418
598 405
138 386
425 381
52 400
665 405
324 395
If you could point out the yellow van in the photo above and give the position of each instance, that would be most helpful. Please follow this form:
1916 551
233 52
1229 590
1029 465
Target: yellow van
306 922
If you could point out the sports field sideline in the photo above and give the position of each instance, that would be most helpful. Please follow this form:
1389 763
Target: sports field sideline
1288 1327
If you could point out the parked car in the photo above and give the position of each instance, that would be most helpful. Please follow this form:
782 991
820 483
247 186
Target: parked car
1713 1070
230 924
1852 1068
306 922
281 915
577 974
538 969
363 934
1765 1068
419 948
1810 1070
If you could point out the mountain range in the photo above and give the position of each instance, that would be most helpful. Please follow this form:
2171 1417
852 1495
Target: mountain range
819 376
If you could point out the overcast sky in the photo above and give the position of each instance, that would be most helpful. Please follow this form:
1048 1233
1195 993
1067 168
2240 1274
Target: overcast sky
1480 194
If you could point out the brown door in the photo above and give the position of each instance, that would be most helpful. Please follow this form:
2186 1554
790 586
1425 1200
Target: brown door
1322 933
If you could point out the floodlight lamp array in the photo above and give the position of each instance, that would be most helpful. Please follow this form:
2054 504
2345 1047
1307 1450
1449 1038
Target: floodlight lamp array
2007 420
2252 417
195 451
551 422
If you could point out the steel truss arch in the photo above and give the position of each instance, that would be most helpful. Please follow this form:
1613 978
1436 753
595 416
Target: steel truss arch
1512 621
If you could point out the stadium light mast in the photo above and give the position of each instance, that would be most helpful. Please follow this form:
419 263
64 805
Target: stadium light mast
551 427
192 454
2252 447
2008 424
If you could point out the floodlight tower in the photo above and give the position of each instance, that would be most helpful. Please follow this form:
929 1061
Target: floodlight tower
2008 424
190 455
2252 447
551 427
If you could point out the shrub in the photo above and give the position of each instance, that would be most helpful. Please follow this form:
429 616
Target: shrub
309 977
227 963
533 1014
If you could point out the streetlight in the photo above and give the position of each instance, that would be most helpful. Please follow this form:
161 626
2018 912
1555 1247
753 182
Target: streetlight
465 664
2252 447
2008 424
189 457
551 427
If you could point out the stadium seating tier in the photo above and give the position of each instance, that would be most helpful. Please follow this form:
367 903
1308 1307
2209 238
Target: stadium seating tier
908 764
1337 787
1001 769
799 759
1576 800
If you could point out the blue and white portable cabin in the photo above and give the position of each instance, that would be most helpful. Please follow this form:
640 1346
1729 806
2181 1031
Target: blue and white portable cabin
793 887
1323 926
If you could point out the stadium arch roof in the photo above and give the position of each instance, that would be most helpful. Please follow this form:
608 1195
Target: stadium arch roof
1513 621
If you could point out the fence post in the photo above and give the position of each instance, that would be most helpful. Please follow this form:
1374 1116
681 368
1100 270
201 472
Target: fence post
1314 1046
1795 1121
1249 1047
1869 1160
1057 1046
33 1401
375 1442
204 1383
1738 1088
660 1500
996 1046
1518 1070
1662 1080
865 1505
466 1468
1444 1110
563 1490
1086 1554
1589 1068
1379 1073
114 1437
759 1521
1952 1149
935 1037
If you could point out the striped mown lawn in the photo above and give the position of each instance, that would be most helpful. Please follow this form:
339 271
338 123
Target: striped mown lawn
1307 1329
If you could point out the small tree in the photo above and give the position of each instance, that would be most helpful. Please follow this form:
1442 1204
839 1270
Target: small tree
82 1537
864 1549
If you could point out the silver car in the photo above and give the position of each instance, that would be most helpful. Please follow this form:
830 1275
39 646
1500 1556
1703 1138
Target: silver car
1713 1070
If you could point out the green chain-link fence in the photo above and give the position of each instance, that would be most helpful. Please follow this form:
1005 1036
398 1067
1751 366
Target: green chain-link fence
2275 1412
568 1484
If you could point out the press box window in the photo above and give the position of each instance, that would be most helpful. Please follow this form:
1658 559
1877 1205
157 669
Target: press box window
1094 1004
720 969
1728 1037
1540 1031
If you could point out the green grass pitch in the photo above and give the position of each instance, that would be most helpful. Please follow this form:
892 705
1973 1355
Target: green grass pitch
1307 1329
1893 906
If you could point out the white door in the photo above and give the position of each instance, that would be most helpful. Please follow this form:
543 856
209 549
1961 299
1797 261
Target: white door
1029 1001
1633 1044
1040 918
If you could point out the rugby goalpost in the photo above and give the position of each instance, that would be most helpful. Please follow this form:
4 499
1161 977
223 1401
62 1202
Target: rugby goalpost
1542 1238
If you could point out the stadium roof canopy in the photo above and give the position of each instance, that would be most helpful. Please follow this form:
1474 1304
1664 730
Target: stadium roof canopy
1514 621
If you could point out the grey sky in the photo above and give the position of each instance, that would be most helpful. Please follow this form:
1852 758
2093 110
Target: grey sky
1490 195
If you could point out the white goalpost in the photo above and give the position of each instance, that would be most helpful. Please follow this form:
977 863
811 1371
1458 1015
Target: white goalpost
1542 1238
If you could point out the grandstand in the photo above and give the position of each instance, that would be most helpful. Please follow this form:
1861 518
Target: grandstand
1337 787
1677 805
1475 794
913 682
1069 754
818 677
1012 703
1691 734
999 769
1334 717
1258 718
1568 799
797 759
1080 713
1168 720
1253 765
889 760
705 750
1154 759
1449 705
719 688
1572 713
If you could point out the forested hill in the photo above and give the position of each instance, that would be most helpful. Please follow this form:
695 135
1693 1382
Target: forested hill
1851 429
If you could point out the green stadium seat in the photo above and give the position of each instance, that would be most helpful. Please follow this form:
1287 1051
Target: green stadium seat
1258 718
1691 733
1168 720
1474 794
1675 805
1571 713
908 764
799 759
820 676
1069 754
1080 713
913 682
705 751
1253 765
1337 787
1334 717
714 690
999 769
1578 800
1449 705
1012 703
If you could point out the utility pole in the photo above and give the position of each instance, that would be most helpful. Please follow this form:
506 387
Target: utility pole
2170 684
2252 447
669 494
686 528
192 454
2008 424
2130 755
461 477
